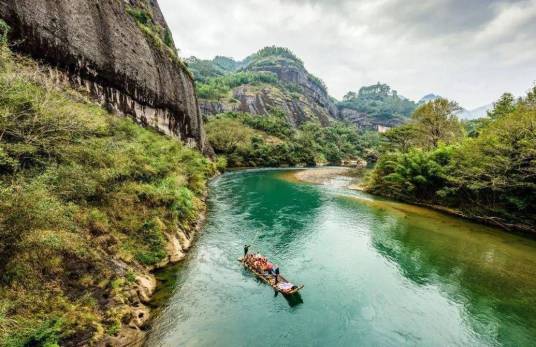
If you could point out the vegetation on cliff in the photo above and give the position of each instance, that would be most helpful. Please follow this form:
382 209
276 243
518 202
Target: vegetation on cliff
246 140
489 175
220 87
87 201
158 35
217 67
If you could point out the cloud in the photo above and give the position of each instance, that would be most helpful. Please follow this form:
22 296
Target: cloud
470 51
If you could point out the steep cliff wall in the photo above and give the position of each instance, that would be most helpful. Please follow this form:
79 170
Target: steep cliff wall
262 100
317 94
106 51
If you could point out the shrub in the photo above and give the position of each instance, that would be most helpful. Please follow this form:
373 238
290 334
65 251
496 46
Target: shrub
141 15
46 334
4 31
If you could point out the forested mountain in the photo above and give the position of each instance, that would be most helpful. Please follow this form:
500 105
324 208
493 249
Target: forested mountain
270 80
275 80
376 105
203 70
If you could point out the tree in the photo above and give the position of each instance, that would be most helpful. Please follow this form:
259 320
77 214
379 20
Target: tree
436 122
474 127
350 96
401 138
505 105
415 176
4 31
226 135
495 174
530 99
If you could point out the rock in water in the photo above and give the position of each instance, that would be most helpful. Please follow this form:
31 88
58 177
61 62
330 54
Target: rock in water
119 51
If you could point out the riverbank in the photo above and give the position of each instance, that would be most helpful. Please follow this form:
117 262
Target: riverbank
142 304
349 178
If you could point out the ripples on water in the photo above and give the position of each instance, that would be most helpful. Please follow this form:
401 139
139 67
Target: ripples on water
375 273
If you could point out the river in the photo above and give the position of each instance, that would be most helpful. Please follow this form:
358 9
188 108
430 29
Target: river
376 273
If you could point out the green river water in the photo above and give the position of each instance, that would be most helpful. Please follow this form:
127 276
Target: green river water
376 273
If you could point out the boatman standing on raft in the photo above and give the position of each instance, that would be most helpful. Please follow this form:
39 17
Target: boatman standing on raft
246 250
276 274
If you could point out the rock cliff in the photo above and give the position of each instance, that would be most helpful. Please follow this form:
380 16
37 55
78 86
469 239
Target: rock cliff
363 120
315 95
120 51
295 92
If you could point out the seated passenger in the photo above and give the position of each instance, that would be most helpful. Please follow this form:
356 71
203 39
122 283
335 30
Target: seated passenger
268 267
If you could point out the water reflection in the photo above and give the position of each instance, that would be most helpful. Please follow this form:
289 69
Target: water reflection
292 300
275 215
476 267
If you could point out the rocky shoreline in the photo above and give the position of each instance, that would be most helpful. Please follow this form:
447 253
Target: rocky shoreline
133 331
341 177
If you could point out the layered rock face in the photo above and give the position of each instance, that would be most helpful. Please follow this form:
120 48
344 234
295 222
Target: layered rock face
102 48
262 101
316 97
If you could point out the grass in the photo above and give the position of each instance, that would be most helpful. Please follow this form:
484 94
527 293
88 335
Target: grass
80 187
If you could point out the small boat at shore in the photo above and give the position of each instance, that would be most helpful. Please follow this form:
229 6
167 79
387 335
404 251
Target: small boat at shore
283 286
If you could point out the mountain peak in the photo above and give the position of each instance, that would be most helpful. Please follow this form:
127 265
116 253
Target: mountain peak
428 98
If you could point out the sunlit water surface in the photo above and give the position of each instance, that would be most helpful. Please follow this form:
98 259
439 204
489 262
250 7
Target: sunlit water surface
376 273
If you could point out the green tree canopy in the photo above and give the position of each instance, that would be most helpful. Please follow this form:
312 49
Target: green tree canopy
379 101
437 122
505 105
401 138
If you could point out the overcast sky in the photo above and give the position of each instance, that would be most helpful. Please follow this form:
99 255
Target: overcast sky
470 51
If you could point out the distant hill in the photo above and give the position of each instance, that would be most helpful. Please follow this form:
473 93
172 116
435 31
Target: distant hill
376 106
479 112
464 114
427 98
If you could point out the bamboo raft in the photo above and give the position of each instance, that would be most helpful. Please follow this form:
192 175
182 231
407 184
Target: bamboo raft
269 279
